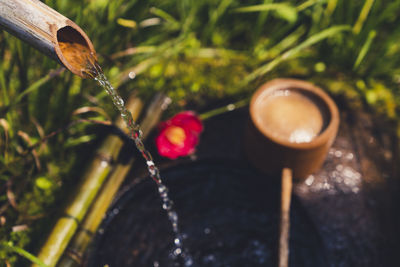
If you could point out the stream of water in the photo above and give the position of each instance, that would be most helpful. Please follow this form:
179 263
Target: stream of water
179 254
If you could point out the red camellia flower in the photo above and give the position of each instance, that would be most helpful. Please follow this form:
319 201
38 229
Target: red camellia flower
179 135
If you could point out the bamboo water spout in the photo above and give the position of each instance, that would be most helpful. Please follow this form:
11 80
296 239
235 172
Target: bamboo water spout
50 32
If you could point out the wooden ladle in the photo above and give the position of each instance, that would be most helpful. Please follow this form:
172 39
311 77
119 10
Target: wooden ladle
292 125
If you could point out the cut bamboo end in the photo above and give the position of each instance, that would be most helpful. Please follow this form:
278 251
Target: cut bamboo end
286 196
48 31
74 48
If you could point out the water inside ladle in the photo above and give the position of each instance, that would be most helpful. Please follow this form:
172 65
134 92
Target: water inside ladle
290 115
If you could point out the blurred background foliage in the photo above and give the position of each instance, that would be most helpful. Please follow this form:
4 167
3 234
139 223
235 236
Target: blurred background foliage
199 52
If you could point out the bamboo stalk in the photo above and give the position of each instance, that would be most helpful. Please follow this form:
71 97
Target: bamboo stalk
74 254
43 28
286 196
90 185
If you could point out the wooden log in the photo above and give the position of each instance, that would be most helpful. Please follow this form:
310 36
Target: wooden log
73 256
286 196
43 28
90 185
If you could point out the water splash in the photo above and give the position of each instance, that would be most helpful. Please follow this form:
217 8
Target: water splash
178 253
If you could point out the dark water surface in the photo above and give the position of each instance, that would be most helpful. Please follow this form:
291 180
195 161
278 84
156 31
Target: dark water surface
229 216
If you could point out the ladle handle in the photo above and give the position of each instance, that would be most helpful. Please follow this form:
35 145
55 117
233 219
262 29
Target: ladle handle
284 226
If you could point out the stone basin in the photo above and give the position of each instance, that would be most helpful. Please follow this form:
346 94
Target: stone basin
343 215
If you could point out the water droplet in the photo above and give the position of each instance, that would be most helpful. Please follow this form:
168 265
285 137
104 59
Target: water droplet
339 167
209 258
150 163
104 163
355 190
177 242
173 216
166 103
207 231
309 181
162 188
188 261
177 251
115 211
120 102
338 153
132 75
388 155
174 226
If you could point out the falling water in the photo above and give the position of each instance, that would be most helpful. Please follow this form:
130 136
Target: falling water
178 253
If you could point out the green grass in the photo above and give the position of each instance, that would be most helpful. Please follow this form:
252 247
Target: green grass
196 51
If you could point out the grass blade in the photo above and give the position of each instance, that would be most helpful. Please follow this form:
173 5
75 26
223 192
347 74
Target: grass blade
128 23
364 49
363 16
216 15
259 8
308 4
294 51
164 15
24 254
36 85
283 10
330 8
286 43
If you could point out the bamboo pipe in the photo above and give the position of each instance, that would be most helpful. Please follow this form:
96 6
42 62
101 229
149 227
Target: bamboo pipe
90 185
47 30
284 226
73 256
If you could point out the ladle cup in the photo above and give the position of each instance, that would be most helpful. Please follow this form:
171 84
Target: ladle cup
292 125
